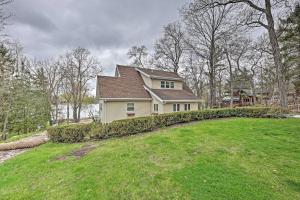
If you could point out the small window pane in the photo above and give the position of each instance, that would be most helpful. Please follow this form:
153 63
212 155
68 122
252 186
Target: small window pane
130 107
185 107
162 84
167 84
172 84
178 107
189 106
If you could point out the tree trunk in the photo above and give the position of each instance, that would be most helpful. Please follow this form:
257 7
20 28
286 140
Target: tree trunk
277 57
75 112
56 112
253 92
4 131
231 79
212 85
79 111
68 112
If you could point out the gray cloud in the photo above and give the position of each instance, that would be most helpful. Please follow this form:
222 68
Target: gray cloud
46 28
106 27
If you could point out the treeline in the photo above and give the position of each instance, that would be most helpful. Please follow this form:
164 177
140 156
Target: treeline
216 47
24 105
31 90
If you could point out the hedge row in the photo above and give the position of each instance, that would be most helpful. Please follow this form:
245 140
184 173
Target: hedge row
119 128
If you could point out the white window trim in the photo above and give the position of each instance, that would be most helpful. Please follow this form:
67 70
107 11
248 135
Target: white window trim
130 111
163 83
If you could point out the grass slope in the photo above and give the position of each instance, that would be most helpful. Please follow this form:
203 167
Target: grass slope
219 159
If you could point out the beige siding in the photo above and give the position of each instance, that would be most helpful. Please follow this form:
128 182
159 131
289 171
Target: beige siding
101 110
169 107
156 84
160 105
118 110
147 80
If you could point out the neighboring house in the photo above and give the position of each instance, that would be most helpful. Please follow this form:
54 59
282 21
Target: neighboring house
241 97
137 92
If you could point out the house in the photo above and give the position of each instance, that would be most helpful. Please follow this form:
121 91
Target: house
137 92
241 97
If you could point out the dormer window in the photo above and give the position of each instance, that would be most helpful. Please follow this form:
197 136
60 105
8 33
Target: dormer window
167 84
172 84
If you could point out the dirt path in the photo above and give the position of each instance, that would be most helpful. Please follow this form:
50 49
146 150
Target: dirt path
6 155
12 149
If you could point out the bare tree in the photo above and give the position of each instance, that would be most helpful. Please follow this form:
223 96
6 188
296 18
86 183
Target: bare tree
169 49
205 27
138 54
80 67
235 47
3 15
52 72
195 73
259 14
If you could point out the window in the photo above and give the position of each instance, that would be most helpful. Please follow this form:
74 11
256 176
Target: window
100 107
176 107
155 107
130 107
187 107
167 84
172 84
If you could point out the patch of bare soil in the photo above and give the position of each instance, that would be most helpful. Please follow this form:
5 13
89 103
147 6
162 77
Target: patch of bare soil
6 155
83 151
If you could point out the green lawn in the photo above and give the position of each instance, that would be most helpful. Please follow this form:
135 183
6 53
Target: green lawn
218 159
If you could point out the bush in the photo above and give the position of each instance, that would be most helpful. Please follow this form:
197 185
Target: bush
123 128
119 128
69 133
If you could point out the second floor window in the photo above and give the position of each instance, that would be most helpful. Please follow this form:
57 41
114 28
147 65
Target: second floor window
167 84
172 84
130 107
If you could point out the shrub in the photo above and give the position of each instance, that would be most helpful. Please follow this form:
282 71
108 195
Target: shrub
123 127
69 133
119 128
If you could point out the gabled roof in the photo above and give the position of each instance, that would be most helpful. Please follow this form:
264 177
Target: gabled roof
129 84
160 74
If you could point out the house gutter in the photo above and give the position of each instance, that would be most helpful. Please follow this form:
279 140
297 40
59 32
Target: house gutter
125 99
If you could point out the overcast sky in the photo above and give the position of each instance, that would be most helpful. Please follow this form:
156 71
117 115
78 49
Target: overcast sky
106 27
